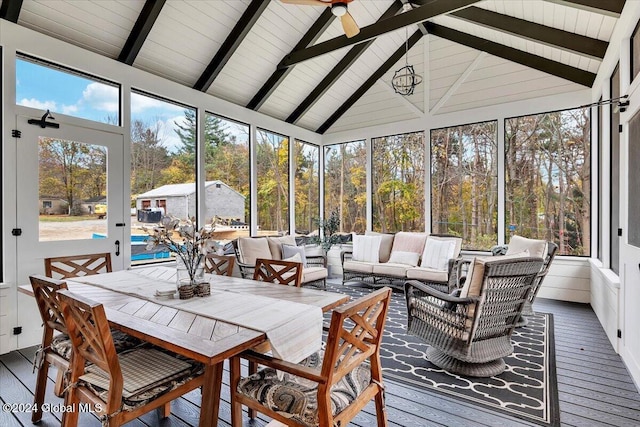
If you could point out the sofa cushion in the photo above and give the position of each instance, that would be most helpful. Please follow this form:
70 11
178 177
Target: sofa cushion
537 248
427 274
391 269
251 249
290 250
385 244
359 266
409 242
311 274
366 248
437 253
275 245
400 257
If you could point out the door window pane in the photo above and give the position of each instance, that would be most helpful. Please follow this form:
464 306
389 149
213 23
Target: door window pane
307 185
72 190
464 188
63 91
548 179
272 152
345 184
398 170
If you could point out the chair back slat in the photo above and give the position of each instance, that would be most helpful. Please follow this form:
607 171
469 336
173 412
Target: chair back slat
45 290
65 267
278 271
355 334
221 265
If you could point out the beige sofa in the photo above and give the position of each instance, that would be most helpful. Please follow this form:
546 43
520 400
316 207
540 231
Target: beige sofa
391 259
249 249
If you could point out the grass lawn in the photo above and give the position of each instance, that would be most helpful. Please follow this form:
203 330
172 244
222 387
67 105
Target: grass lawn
66 218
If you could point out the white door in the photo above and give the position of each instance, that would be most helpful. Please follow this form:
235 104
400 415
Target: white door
66 178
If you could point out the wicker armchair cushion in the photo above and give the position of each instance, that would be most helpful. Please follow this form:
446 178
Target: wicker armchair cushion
275 245
536 248
147 373
366 248
297 398
409 258
61 344
291 250
437 253
250 249
409 242
473 283
385 245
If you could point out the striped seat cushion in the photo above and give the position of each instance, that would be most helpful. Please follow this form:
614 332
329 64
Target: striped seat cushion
61 344
297 398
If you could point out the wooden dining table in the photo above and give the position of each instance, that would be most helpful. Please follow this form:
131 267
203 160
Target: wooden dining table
222 325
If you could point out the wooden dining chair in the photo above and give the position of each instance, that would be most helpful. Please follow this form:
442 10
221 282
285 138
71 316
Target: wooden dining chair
77 265
56 349
118 387
221 265
328 388
278 271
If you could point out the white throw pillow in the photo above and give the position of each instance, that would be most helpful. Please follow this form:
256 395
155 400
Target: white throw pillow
437 254
289 251
366 248
402 257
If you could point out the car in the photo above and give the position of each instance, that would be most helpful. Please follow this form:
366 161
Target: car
101 211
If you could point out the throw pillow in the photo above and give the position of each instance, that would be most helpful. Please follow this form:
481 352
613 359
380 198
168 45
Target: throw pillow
401 257
437 254
537 248
294 258
288 251
385 244
366 248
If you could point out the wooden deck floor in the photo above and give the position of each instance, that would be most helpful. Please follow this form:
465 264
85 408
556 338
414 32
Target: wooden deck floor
594 386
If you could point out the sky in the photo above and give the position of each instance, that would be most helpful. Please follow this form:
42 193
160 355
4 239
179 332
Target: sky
60 92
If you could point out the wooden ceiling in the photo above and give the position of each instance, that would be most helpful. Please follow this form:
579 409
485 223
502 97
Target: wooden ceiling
294 63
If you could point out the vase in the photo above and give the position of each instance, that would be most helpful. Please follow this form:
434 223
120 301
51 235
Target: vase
188 279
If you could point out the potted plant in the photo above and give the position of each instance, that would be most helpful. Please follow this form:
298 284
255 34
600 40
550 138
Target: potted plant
327 236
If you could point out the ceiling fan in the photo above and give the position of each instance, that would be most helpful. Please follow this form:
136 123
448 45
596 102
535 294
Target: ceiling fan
339 8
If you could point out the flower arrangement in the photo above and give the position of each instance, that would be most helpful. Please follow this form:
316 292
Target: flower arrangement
183 239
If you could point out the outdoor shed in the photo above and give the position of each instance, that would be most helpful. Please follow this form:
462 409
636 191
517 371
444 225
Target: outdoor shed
179 200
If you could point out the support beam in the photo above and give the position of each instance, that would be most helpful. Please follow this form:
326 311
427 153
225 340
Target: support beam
10 10
397 55
429 10
403 99
454 87
558 69
340 68
231 43
313 34
549 36
141 29
604 7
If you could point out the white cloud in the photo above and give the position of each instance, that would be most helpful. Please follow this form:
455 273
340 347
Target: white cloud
167 132
140 103
69 110
36 103
101 97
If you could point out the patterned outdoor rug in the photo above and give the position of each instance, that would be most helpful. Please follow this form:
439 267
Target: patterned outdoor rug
527 389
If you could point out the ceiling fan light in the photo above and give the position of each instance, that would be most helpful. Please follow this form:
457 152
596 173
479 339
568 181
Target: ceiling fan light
339 9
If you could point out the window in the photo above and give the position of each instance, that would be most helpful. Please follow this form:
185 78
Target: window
46 204
398 172
345 184
227 165
307 185
548 179
49 87
464 188
272 155
614 190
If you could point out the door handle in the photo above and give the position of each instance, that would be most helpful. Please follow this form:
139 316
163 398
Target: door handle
117 247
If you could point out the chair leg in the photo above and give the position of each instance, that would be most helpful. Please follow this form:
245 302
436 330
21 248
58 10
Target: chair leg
381 411
70 418
253 368
41 386
58 389
165 410
236 407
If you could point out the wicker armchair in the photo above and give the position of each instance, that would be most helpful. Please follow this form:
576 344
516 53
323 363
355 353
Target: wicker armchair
470 334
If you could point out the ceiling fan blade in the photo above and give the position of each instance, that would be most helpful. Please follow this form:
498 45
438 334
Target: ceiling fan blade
349 25
307 2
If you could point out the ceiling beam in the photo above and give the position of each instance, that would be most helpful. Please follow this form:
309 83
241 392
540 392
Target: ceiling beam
10 10
393 59
340 68
604 7
558 69
231 43
141 29
310 37
549 36
419 14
